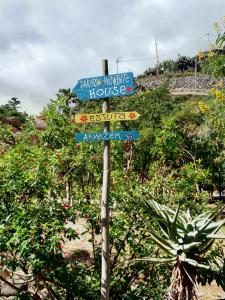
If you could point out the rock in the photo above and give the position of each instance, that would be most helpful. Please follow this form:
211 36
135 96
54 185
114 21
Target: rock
41 123
14 121
7 290
186 82
18 280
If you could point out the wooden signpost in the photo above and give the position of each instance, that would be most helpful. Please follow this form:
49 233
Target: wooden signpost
112 117
105 270
104 87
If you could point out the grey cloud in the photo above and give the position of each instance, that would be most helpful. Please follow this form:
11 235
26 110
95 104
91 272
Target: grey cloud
16 28
47 45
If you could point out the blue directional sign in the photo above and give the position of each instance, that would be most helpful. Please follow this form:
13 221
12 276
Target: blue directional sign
107 136
105 86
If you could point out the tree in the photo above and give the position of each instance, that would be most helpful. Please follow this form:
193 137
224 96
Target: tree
167 66
34 209
182 63
9 113
213 62
186 243
13 103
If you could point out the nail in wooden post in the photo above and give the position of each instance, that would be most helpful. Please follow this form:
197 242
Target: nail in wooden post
105 274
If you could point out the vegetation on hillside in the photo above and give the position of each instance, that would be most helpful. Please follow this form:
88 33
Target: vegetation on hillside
11 111
181 64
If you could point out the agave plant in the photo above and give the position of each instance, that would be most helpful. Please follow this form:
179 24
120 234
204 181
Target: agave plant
187 242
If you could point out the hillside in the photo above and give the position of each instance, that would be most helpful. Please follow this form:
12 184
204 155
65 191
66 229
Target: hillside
176 82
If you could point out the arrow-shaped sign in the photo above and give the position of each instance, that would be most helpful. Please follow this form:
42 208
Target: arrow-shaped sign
105 86
111 117
107 136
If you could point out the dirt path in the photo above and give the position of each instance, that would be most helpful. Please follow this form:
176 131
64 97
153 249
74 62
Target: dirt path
184 91
212 292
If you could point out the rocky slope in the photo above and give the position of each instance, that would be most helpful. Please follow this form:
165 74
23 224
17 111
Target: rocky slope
187 82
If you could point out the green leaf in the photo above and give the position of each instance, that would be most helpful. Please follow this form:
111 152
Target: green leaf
194 263
215 237
162 243
187 247
155 260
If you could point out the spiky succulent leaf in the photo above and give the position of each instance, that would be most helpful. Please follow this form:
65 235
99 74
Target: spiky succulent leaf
213 217
186 239
216 237
162 243
174 222
186 247
215 226
163 231
182 234
155 260
194 263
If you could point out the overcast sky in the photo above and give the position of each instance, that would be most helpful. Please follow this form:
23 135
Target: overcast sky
46 45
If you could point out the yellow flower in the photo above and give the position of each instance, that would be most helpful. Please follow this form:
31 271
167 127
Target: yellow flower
220 96
202 106
211 54
220 83
212 91
217 26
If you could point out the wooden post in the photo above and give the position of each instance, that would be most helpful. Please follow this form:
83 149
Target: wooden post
195 72
105 274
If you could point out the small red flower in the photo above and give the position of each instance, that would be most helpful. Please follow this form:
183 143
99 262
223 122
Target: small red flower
66 206
83 118
132 116
59 246
129 89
